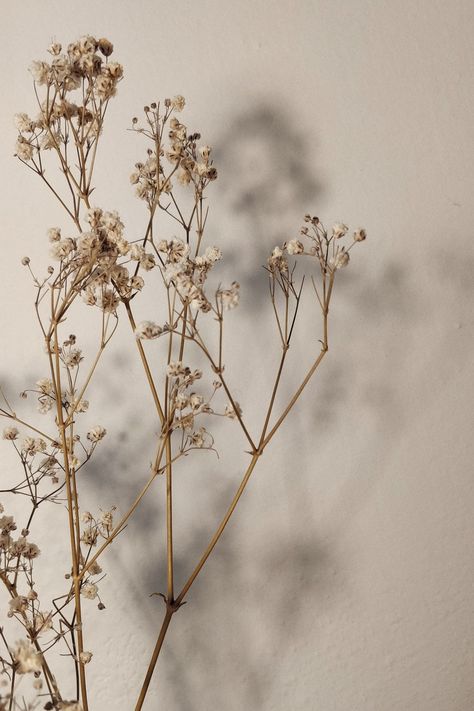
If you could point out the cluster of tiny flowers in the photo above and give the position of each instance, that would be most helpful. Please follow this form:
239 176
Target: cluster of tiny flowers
27 658
95 528
96 434
97 259
322 244
229 298
187 405
14 549
79 82
187 274
190 163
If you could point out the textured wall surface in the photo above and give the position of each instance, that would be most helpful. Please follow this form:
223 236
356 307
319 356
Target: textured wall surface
345 580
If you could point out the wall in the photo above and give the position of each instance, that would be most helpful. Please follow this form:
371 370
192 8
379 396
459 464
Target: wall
345 579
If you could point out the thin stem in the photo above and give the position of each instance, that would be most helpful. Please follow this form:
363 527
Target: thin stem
151 667
149 376
72 506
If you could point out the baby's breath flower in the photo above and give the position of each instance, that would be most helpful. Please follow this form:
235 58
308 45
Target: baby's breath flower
45 385
96 433
147 330
137 282
213 254
175 368
73 358
80 405
232 412
339 230
85 657
147 261
108 301
195 401
40 71
24 124
55 48
294 246
95 568
54 234
230 297
18 604
7 524
45 404
24 150
27 659
31 446
197 438
340 260
89 590
277 261
31 551
89 536
50 140
62 248
105 46
10 433
360 235
178 103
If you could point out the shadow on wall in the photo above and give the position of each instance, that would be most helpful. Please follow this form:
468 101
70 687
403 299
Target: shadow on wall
267 187
267 184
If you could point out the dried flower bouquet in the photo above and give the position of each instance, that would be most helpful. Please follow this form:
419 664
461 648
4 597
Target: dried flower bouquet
94 262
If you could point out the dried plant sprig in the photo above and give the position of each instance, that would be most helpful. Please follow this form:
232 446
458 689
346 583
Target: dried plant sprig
96 264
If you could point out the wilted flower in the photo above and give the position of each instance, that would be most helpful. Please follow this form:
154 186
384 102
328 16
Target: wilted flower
27 658
148 330
10 433
89 590
96 433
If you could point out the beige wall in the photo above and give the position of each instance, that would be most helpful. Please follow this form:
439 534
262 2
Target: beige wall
345 580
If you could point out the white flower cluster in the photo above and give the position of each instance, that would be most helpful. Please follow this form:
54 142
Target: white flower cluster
85 67
322 245
27 658
98 258
191 164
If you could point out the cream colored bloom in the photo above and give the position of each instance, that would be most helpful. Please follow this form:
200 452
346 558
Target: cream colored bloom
89 591
340 260
178 102
339 230
10 433
27 658
147 330
360 235
96 433
294 246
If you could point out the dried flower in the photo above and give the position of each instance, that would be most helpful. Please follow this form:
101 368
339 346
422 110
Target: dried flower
89 590
10 433
27 658
360 235
339 230
178 102
340 260
148 330
96 433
